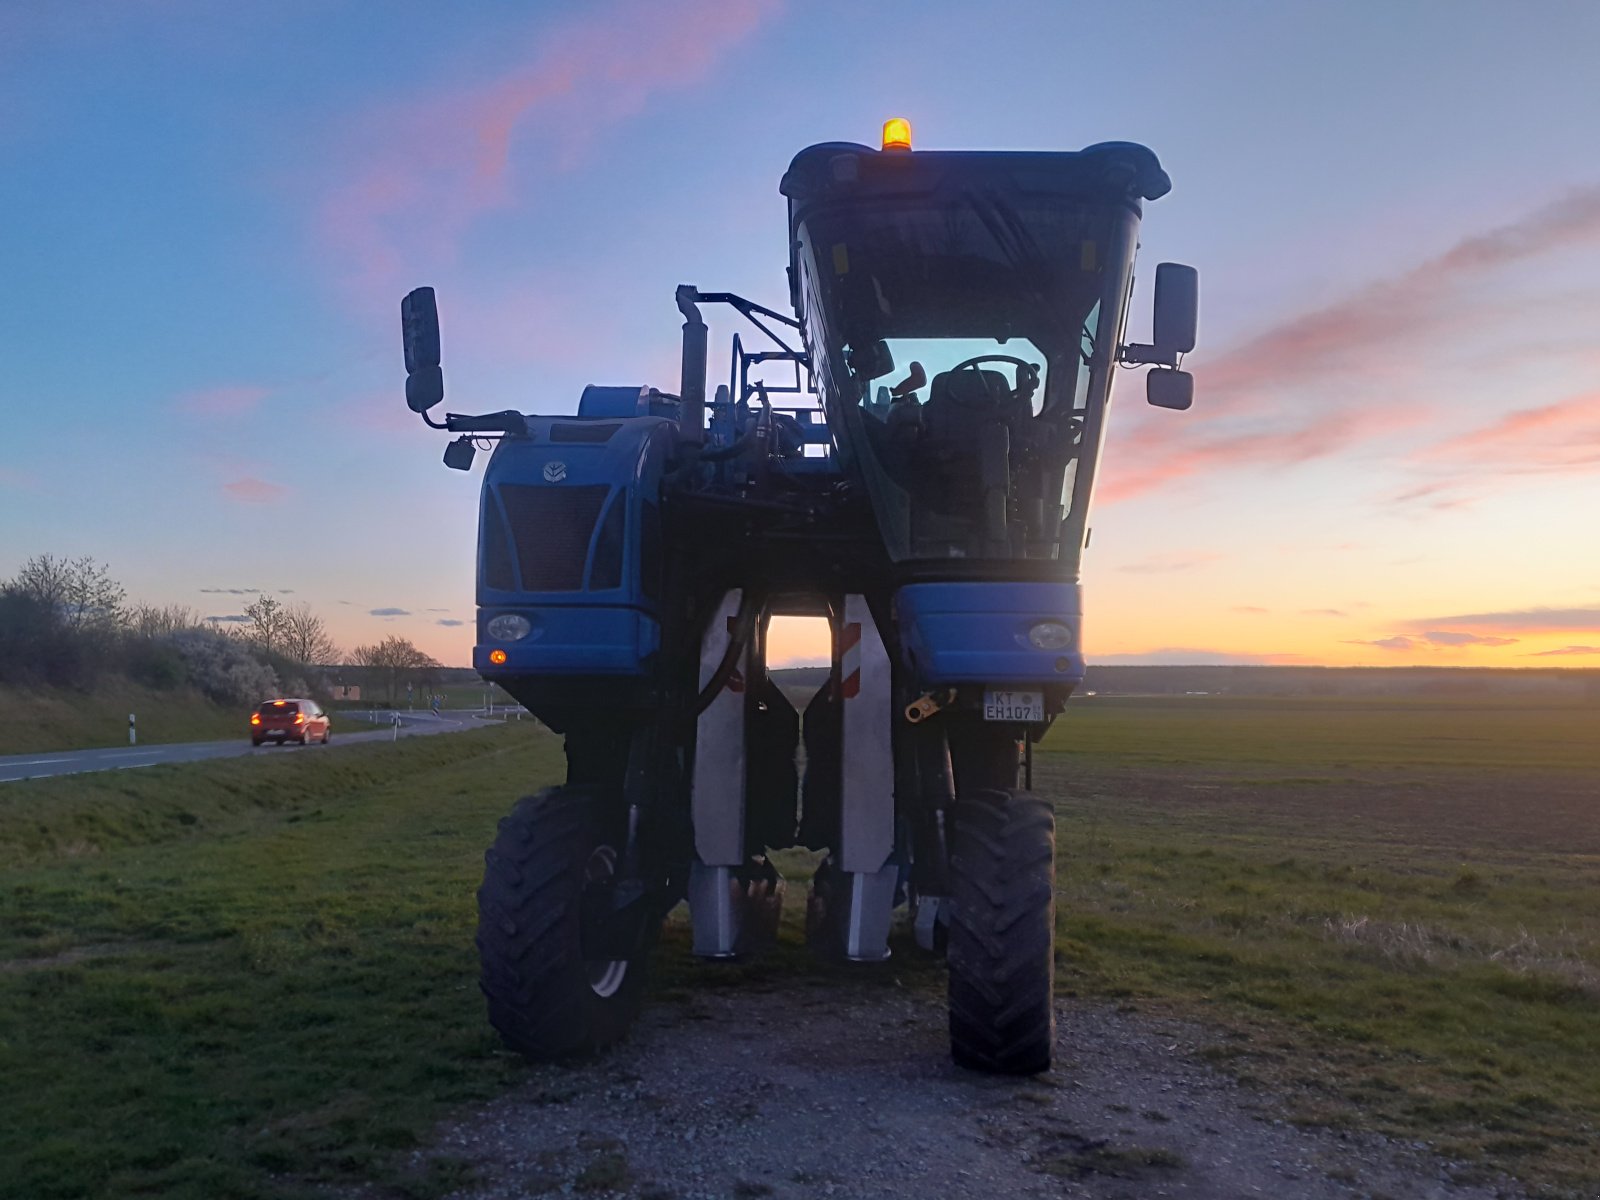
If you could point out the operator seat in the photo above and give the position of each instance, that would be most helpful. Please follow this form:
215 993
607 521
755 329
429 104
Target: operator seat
960 404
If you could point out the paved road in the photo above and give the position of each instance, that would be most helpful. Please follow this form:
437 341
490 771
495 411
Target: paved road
350 729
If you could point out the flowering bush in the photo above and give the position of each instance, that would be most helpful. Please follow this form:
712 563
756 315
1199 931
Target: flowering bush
223 667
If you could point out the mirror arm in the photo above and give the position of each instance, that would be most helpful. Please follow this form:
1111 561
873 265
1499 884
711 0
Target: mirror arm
509 421
1139 356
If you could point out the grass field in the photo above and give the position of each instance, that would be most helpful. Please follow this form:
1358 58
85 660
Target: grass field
1388 911
233 978
255 978
44 719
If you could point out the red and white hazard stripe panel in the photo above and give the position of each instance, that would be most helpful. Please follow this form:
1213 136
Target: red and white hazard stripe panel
719 751
867 818
850 660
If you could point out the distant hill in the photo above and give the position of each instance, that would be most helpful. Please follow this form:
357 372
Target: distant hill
1554 684
1549 683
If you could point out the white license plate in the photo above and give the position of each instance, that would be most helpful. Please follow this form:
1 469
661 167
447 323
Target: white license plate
1013 706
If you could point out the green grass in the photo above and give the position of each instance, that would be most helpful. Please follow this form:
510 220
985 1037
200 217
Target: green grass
1390 940
238 978
43 719
256 978
1316 733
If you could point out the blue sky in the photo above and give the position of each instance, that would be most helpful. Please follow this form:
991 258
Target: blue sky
211 213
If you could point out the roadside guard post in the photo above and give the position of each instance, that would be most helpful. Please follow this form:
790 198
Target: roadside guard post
133 735
394 719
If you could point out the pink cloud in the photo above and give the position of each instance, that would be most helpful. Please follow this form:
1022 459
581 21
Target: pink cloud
230 401
1559 437
1450 637
1156 462
1368 329
1433 640
1564 650
1358 354
251 490
421 171
1398 642
1527 621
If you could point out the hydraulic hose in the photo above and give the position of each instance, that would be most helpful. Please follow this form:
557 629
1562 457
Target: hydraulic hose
750 436
744 624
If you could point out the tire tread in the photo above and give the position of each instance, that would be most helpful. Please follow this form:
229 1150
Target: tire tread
1002 930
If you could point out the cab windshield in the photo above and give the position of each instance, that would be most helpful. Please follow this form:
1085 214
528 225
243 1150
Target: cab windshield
959 426
1002 302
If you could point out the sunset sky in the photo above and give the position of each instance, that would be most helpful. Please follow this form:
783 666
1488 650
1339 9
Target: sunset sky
209 213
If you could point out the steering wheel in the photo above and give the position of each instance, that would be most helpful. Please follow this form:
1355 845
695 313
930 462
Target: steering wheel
1027 381
1027 372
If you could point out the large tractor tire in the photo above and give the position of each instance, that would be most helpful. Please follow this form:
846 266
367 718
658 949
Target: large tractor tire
549 999
1002 932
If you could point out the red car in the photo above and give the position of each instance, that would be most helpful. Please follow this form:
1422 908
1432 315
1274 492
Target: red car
289 721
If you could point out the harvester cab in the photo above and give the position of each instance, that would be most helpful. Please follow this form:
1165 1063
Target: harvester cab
910 456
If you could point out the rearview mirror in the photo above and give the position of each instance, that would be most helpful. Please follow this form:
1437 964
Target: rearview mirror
872 360
1177 310
1169 389
419 331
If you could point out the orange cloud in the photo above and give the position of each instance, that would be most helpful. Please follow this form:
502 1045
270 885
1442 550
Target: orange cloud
251 490
425 169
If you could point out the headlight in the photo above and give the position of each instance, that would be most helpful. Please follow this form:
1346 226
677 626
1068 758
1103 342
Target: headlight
509 627
1051 635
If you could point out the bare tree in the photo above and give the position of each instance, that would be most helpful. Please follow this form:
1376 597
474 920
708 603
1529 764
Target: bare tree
305 638
392 657
79 591
268 623
150 621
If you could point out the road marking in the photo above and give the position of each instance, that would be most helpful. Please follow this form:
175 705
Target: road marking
36 762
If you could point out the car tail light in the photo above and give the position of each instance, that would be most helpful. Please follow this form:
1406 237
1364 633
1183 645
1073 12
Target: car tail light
255 718
299 718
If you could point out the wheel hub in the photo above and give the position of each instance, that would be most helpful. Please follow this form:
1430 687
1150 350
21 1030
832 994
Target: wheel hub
606 975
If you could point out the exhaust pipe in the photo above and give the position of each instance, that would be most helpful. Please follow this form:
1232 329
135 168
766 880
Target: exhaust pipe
692 385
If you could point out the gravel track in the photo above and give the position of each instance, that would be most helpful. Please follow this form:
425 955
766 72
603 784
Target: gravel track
807 1093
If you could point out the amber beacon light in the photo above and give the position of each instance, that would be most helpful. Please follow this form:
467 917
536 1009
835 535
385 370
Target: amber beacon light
897 134
497 657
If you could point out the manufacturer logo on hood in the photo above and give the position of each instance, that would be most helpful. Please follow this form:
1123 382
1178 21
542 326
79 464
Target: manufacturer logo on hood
555 472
